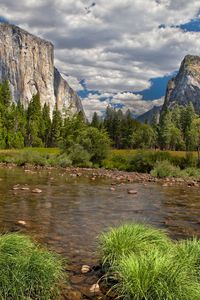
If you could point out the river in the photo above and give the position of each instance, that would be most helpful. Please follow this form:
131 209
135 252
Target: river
71 211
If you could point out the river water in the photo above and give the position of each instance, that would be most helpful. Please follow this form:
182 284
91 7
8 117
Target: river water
72 211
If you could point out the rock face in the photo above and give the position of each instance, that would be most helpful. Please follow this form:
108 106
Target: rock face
27 62
151 114
185 87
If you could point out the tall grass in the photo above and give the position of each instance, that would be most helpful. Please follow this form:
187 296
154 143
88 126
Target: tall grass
27 270
144 264
155 276
129 238
189 250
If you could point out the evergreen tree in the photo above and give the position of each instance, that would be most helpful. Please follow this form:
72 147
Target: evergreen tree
164 130
46 125
56 129
5 94
34 122
96 121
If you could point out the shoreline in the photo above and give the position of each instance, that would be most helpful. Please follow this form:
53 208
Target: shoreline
117 176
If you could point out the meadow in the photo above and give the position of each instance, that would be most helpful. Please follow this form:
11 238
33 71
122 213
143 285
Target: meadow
158 163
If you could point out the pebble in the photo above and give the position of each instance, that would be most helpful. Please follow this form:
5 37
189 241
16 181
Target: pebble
21 222
112 189
16 187
95 289
25 188
132 192
36 191
85 269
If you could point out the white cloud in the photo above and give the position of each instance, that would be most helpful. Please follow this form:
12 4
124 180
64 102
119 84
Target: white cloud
115 45
93 104
73 82
134 102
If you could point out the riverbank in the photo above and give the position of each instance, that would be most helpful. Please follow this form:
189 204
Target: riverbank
137 165
115 177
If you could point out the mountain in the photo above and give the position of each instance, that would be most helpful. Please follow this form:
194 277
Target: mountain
185 87
150 114
27 62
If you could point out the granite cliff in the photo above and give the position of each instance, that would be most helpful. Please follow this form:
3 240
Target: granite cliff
185 87
27 62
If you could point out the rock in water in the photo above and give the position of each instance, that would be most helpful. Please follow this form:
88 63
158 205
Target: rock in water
27 62
185 87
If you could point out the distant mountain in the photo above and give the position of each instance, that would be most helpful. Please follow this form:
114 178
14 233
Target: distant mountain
185 87
27 62
149 115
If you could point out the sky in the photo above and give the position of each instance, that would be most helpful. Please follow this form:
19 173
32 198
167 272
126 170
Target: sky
121 52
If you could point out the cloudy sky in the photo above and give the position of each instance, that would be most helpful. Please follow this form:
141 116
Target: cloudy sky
118 52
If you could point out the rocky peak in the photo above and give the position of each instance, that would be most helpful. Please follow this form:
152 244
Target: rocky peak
185 87
27 62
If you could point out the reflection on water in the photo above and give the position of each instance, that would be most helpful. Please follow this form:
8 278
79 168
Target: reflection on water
71 212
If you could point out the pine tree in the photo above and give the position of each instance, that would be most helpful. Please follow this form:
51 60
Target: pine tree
56 129
34 122
96 121
5 94
46 125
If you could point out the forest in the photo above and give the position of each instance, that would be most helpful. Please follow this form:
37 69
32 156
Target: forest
178 128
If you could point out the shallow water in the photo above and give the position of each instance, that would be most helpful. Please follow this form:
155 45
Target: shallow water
71 212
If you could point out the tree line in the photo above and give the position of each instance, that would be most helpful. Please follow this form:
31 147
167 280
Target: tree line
34 127
177 129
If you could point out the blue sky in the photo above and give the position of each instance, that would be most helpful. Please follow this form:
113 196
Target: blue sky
120 53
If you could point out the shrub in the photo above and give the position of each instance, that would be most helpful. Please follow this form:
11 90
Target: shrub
165 169
141 162
28 271
62 160
154 276
191 172
129 238
78 155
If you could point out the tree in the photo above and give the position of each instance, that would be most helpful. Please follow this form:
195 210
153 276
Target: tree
164 135
144 137
96 142
56 129
96 121
46 125
195 136
5 93
34 122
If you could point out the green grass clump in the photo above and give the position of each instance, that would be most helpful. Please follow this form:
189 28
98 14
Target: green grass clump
189 251
155 276
129 238
164 169
27 270
142 263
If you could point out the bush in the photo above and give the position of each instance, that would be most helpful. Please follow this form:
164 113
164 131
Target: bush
129 238
165 169
62 160
28 271
141 162
191 172
154 276
79 156
96 142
